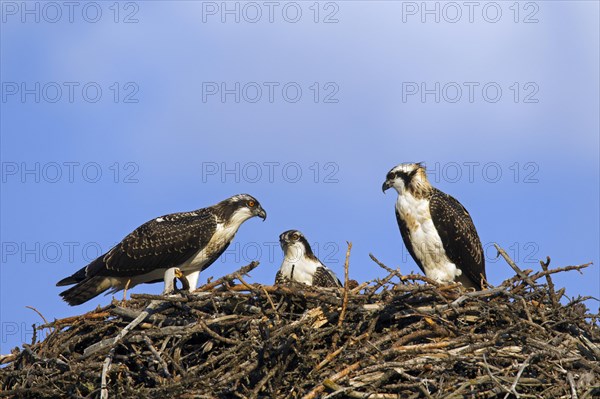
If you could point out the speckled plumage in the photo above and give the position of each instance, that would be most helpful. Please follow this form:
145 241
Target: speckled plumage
191 241
436 229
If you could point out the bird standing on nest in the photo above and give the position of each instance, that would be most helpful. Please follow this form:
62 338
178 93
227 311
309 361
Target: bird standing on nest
436 229
190 241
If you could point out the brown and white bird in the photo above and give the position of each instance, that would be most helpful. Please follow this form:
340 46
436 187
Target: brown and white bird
436 229
188 241
301 265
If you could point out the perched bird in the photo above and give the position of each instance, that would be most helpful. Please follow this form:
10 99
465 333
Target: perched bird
190 241
301 265
436 229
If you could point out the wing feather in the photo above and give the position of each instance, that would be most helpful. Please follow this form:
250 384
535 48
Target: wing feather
459 236
324 277
163 242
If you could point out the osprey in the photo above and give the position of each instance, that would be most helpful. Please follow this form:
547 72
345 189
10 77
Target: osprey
190 241
436 229
301 265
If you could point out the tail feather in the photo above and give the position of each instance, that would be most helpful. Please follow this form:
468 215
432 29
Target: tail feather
85 289
77 277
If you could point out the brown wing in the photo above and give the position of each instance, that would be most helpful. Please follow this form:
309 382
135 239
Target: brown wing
324 277
459 236
163 243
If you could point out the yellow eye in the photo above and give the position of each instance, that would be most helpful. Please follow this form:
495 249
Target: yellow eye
295 236
251 204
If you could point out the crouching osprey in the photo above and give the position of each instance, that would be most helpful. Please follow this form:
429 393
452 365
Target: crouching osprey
190 241
301 265
436 229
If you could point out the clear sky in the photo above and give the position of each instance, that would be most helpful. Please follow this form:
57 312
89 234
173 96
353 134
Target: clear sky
115 114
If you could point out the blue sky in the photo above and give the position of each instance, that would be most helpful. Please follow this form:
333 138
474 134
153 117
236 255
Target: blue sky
129 121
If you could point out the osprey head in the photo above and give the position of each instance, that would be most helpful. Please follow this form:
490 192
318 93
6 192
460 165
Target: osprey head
411 176
240 208
294 244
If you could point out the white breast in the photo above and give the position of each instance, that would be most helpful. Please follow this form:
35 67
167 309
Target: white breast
426 242
223 235
297 267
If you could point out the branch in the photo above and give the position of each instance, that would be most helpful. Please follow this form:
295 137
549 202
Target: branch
514 266
231 276
346 278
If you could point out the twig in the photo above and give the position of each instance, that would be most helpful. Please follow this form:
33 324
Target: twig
71 319
349 392
241 272
319 388
572 384
513 387
216 336
514 266
496 381
157 356
550 282
384 267
39 313
346 278
271 303
105 369
113 341
560 270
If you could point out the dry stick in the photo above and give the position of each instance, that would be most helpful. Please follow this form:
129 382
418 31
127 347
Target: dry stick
384 267
7 358
346 278
514 266
356 290
113 341
105 369
513 388
216 336
39 313
244 283
550 282
572 384
328 358
69 320
560 270
155 353
358 395
322 294
264 381
496 380
242 271
319 388
271 303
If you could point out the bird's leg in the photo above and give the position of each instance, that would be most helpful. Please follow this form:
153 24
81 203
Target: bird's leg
192 279
125 292
170 280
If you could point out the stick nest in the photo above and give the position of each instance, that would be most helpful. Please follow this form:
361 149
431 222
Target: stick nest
397 337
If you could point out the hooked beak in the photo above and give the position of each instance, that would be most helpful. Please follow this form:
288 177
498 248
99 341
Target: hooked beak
262 214
386 185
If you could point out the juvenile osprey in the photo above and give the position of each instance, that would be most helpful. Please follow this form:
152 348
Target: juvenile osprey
190 241
436 229
301 265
